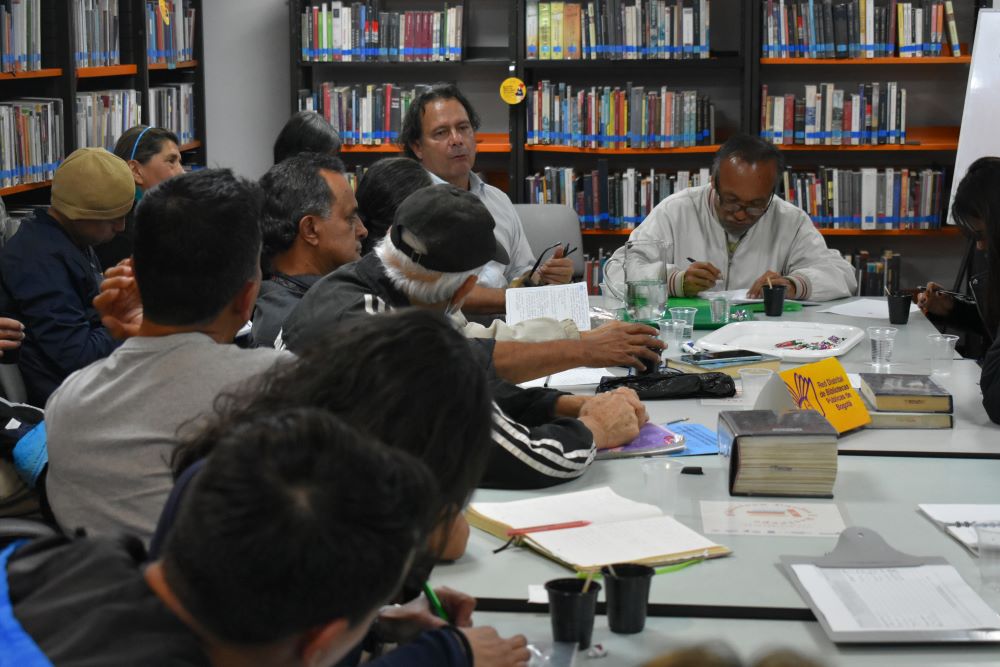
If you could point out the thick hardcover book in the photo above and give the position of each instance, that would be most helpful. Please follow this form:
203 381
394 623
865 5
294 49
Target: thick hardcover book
900 392
790 453
841 30
909 420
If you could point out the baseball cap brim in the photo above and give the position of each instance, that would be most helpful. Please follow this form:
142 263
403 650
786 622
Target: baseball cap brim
500 254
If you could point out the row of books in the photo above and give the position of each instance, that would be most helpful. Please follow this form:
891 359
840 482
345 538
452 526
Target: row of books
869 198
172 108
859 29
605 200
31 140
617 30
829 116
875 275
618 117
102 116
362 114
172 40
360 31
96 26
20 36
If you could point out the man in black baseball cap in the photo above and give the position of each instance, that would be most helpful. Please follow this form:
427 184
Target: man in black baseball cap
440 237
466 243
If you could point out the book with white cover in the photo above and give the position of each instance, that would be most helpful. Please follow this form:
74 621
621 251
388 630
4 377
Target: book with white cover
616 530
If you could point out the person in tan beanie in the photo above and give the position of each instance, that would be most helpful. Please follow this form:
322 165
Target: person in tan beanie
51 275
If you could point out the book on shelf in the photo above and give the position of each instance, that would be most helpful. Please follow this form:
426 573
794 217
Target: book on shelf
708 362
606 529
593 271
31 140
617 30
96 26
828 116
363 32
604 200
859 29
172 108
618 117
868 199
362 114
876 275
792 453
21 36
959 520
102 116
903 392
170 41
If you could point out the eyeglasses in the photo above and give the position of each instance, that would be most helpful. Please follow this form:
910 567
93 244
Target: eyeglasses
736 206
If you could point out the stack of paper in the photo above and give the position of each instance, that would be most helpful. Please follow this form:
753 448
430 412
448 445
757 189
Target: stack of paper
959 520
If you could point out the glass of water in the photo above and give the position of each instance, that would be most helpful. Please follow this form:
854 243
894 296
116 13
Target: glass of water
881 339
685 315
672 335
719 304
942 352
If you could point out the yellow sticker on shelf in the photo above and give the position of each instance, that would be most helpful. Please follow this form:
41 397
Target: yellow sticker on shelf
164 12
512 90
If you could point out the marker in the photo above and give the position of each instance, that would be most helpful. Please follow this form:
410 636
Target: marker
435 603
690 259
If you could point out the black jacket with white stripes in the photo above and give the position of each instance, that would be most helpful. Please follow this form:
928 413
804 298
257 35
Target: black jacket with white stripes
533 449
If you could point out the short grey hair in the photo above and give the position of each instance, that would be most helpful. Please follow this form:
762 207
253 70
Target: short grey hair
416 282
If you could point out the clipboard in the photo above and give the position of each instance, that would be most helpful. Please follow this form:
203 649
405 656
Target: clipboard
864 548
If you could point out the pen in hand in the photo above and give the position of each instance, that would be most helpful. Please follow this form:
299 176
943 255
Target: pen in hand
435 603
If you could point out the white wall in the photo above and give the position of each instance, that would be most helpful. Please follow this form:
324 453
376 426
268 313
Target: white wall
246 81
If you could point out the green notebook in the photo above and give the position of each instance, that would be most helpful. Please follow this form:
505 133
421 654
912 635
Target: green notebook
703 320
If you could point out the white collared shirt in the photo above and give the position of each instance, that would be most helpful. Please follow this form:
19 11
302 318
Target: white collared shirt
508 231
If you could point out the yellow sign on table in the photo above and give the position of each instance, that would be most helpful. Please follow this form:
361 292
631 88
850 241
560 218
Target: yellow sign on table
823 386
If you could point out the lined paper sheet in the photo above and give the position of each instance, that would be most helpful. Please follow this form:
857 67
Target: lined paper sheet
561 302
928 597
594 505
623 542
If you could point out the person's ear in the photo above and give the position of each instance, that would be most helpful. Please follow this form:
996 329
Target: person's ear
322 645
308 230
136 170
415 147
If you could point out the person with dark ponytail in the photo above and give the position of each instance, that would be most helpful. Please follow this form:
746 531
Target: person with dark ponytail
976 209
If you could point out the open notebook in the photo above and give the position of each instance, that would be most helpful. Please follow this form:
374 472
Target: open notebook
619 530
959 520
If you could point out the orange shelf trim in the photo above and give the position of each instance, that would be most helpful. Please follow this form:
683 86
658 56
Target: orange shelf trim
114 70
37 74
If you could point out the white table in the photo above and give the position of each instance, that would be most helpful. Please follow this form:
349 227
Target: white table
748 638
881 493
974 434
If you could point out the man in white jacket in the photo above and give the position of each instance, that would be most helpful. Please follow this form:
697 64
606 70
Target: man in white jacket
737 233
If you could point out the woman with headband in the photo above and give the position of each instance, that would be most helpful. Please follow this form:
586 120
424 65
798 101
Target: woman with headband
153 155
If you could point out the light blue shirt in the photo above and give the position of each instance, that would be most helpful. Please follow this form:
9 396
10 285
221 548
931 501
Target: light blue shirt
508 231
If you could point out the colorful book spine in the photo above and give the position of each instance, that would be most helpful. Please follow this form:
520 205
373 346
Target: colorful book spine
102 116
31 140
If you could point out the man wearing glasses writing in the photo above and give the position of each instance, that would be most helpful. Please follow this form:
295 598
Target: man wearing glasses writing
739 234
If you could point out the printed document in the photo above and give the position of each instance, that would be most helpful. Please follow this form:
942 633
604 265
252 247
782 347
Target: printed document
560 302
785 519
900 599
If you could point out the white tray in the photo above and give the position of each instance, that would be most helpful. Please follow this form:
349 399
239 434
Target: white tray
763 336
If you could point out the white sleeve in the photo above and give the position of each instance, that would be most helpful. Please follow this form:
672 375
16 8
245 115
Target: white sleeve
825 274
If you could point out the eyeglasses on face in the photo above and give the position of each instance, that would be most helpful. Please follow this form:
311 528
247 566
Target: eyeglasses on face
731 205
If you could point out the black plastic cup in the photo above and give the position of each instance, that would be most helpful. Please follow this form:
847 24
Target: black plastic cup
899 307
628 596
572 610
774 300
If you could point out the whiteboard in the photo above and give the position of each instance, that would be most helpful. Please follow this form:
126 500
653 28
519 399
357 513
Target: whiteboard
978 136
